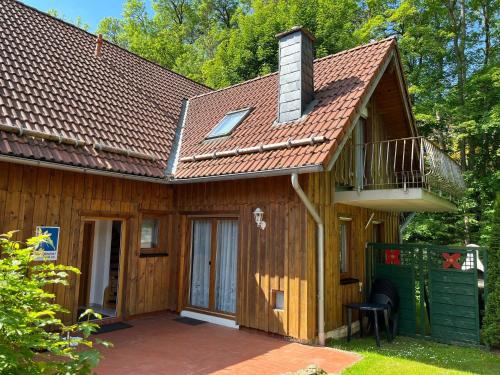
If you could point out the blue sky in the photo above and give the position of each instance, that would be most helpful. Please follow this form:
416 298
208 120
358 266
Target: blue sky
91 11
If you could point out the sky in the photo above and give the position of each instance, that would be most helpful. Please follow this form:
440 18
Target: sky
91 11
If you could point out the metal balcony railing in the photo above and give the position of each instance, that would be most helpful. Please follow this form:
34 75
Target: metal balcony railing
400 163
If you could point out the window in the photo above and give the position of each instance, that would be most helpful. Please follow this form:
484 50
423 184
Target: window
378 237
228 123
345 246
149 233
378 232
153 240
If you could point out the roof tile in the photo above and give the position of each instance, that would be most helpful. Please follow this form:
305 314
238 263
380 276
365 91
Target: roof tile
341 81
55 84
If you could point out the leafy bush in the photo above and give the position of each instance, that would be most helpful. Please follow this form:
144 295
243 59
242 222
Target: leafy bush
491 324
33 338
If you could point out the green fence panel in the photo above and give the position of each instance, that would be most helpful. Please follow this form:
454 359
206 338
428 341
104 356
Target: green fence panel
454 306
450 276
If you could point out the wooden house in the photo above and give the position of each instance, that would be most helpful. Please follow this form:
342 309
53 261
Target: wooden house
248 206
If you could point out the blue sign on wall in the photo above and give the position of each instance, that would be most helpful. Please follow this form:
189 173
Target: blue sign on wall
49 248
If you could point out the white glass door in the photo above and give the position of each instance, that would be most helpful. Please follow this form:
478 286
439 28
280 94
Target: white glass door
225 278
200 263
214 243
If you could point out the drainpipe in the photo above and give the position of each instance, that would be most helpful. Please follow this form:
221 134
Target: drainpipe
320 238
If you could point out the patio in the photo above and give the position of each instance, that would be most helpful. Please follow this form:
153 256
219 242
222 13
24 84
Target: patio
161 345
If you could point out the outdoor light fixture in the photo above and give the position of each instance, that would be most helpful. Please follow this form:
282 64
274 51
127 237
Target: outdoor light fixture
259 215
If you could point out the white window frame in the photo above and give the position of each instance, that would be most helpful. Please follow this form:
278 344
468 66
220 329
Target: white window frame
211 135
344 256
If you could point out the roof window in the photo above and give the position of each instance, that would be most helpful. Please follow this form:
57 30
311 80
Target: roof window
230 121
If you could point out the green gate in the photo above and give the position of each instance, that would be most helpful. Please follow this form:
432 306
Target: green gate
439 288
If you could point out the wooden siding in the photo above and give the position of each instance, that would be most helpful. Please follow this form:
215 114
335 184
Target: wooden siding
281 257
32 196
376 130
274 258
320 188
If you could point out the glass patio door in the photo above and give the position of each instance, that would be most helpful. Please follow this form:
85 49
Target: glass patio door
200 263
213 265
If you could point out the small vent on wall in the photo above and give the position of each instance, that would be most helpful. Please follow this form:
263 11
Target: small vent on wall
278 299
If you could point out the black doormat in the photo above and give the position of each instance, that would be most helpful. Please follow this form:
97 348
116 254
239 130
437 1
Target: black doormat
189 321
112 327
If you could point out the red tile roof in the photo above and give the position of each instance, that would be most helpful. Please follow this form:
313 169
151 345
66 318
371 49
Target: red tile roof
51 82
341 81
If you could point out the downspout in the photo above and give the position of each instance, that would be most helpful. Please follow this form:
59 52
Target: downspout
320 238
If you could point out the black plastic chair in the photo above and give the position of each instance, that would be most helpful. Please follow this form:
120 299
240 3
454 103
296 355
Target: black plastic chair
384 298
384 292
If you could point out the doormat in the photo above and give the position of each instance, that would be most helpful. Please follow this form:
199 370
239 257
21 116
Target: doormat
189 321
112 327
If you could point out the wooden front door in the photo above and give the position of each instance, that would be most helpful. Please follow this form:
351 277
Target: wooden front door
214 252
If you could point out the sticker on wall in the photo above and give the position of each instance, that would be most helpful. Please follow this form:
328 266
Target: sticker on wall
48 250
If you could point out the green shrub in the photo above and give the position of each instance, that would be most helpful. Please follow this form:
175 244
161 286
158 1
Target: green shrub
491 323
33 339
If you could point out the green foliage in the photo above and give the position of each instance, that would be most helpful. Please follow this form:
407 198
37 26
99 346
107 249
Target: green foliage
33 339
449 51
78 22
491 323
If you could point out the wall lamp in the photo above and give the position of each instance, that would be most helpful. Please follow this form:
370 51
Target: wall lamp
258 214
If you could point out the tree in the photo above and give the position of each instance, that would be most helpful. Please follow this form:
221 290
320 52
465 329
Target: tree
33 338
78 22
491 324
449 50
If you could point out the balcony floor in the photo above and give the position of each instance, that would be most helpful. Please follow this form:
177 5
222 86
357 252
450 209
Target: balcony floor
398 200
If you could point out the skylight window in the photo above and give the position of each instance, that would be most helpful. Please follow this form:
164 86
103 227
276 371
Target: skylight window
228 123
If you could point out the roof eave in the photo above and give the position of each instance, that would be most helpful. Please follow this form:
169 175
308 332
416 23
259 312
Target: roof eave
74 168
245 175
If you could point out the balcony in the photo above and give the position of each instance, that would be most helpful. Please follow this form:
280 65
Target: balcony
408 174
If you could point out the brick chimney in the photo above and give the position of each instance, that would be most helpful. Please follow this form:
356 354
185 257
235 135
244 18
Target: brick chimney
296 82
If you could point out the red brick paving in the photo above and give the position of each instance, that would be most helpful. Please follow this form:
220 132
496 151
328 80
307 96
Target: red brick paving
160 345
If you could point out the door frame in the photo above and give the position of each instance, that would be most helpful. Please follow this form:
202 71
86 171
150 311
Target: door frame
121 295
88 278
213 217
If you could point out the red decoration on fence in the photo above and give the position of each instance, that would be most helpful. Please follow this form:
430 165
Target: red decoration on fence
451 260
392 257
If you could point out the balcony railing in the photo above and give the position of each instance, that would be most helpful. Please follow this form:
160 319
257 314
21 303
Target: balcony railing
399 163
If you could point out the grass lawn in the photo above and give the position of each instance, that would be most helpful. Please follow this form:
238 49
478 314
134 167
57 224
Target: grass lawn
411 356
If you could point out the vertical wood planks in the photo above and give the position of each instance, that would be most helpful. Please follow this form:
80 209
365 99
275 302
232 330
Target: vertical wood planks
320 188
32 196
282 257
274 258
